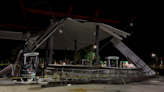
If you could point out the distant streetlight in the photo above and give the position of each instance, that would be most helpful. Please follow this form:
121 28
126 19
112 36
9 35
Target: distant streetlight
131 24
153 55
60 31
94 46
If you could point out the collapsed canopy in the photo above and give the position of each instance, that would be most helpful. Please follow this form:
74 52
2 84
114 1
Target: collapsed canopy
84 33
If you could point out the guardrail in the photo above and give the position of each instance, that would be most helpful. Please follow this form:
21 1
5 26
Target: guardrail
88 75
62 76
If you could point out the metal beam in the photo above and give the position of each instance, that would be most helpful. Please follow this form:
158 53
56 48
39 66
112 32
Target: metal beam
95 14
12 26
46 48
106 20
44 12
51 49
66 54
54 3
59 14
130 20
70 10
37 28
11 35
24 12
97 45
75 51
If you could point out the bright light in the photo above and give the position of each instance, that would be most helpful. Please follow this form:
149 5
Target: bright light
60 31
153 55
63 63
94 33
94 46
131 24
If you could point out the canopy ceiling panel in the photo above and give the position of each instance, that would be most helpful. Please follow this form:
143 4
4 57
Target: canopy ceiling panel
83 32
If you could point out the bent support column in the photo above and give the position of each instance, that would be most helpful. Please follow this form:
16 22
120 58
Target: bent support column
7 70
97 44
51 49
130 55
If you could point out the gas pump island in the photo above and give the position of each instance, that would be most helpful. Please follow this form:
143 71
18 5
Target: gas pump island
112 64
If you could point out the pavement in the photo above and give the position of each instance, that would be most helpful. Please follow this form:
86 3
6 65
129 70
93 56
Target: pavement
151 85
6 82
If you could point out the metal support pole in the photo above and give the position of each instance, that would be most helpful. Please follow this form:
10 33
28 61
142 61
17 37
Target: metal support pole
36 63
108 62
97 44
51 49
117 63
46 47
25 60
75 51
65 54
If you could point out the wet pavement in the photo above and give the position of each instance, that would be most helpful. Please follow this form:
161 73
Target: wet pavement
151 85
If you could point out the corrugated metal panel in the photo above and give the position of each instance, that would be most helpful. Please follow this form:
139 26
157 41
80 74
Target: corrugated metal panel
132 56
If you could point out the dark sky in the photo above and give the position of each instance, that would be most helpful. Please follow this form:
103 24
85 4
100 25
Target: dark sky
147 34
6 47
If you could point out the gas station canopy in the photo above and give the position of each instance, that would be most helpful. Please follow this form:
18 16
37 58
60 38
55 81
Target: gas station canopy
83 32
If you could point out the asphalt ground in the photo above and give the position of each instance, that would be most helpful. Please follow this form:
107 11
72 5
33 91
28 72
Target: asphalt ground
151 85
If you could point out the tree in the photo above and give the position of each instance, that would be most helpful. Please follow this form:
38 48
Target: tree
11 56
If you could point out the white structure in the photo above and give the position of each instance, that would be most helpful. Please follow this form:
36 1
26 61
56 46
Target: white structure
113 58
35 54
85 62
